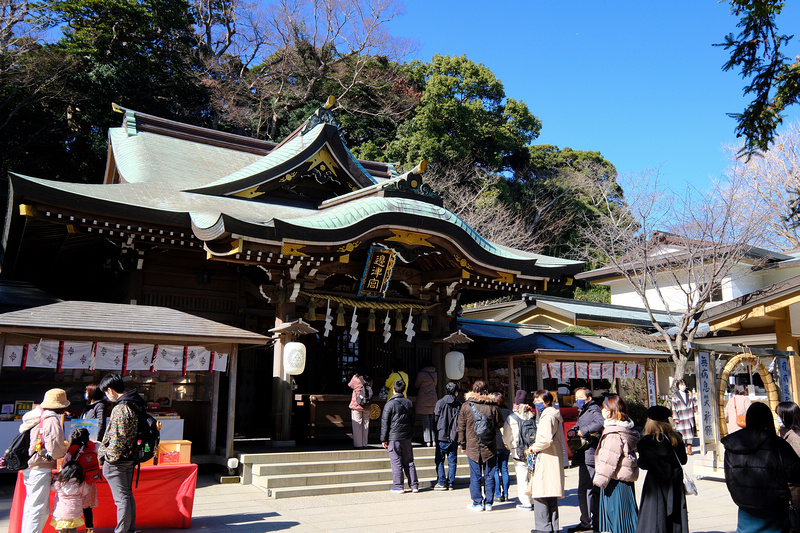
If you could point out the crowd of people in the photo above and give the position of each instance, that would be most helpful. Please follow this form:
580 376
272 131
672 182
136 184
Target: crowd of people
762 468
529 437
83 461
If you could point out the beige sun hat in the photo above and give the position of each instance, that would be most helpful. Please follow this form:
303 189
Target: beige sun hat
55 399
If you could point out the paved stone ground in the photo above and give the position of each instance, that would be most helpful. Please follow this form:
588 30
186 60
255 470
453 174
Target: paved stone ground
245 509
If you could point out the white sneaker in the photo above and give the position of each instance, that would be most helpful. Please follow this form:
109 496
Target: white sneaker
487 507
473 507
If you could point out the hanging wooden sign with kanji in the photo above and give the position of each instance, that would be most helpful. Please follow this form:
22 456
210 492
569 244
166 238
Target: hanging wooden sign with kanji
377 273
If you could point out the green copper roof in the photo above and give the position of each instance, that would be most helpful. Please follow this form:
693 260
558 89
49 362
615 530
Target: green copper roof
182 164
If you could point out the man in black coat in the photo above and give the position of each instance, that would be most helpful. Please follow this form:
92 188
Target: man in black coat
397 427
445 417
590 425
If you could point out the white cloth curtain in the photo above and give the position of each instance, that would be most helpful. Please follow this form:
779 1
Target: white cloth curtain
109 356
13 355
197 359
169 358
140 357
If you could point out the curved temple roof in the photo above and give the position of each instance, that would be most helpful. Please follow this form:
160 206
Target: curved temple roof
309 188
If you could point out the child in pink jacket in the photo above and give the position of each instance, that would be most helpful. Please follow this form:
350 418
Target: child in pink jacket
70 491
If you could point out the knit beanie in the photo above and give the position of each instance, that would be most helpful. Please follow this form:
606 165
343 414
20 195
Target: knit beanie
521 397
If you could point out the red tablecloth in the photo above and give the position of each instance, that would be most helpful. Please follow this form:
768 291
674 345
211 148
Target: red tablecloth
164 498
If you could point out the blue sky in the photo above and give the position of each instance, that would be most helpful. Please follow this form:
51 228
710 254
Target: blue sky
639 82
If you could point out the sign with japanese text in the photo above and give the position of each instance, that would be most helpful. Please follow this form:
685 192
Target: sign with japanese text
651 388
705 392
784 379
377 273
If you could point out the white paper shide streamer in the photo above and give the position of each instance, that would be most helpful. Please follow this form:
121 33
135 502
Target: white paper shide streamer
354 326
410 327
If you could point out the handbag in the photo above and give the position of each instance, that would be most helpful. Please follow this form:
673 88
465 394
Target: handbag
689 487
741 420
577 443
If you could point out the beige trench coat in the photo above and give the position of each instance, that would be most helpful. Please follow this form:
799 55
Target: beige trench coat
547 480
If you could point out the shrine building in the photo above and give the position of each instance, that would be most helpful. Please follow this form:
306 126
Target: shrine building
297 242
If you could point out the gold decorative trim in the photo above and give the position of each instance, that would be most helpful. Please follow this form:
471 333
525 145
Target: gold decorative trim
293 248
252 192
410 237
504 277
236 248
26 210
462 262
349 247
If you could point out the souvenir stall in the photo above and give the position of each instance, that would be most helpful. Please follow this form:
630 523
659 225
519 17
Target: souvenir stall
175 360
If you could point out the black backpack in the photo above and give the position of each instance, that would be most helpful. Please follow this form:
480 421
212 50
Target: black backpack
527 434
365 396
148 436
484 427
16 456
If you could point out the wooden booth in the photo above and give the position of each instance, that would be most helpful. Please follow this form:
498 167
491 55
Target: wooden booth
176 360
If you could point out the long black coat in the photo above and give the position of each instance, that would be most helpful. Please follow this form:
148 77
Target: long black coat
663 505
759 466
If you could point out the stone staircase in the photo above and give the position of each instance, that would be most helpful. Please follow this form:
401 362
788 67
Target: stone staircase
312 473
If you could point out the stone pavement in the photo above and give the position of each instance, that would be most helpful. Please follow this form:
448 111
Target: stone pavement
245 509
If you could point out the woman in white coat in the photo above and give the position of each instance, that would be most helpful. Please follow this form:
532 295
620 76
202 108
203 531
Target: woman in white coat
547 481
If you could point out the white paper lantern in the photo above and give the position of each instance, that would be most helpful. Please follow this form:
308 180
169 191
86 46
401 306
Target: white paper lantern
454 365
294 358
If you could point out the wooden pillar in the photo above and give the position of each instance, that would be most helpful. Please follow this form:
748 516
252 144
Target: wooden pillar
512 383
281 382
785 341
214 424
233 365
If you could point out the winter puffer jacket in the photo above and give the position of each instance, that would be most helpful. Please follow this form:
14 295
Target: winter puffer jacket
467 437
616 453
758 468
397 420
445 415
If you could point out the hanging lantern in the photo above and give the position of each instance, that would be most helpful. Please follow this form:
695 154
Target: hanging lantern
312 310
340 315
454 365
371 326
398 321
423 319
294 358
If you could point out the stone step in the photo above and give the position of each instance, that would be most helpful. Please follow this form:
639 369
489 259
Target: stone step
342 478
327 455
375 463
349 488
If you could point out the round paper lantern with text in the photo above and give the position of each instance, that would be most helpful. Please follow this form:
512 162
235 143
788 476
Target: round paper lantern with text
294 358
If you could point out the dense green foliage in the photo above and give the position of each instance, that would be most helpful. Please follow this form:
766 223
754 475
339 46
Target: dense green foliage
773 76
260 70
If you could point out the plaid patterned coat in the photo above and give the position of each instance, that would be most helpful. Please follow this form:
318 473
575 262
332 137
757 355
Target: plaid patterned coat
683 414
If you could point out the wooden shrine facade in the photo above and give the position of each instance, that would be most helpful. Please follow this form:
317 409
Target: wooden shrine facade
256 235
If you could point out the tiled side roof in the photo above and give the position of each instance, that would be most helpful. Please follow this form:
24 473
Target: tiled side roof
124 321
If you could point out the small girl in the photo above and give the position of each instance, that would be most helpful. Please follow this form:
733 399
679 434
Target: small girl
70 489
84 452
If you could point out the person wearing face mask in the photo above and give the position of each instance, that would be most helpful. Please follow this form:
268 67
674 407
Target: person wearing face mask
114 452
547 482
95 408
590 424
684 405
616 469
